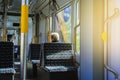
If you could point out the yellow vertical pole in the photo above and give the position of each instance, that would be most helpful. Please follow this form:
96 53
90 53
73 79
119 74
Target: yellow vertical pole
4 36
49 37
24 35
49 31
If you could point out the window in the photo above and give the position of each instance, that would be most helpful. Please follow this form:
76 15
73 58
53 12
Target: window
78 11
112 21
64 19
78 39
77 30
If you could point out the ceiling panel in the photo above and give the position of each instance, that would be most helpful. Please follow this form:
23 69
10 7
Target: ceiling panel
15 6
0 1
61 4
45 6
36 6
1 5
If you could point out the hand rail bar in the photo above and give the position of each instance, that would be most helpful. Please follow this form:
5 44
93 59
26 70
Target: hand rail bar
112 71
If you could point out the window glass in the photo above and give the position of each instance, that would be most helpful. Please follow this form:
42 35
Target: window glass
64 19
112 21
78 39
78 15
77 30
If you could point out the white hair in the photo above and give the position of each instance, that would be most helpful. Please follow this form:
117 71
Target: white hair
55 33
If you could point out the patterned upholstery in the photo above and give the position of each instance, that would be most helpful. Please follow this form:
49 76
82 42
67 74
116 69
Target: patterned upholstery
6 77
6 55
58 54
6 61
35 51
57 62
17 49
7 70
17 52
60 68
64 58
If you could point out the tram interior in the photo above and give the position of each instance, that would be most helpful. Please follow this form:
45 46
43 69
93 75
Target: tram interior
88 33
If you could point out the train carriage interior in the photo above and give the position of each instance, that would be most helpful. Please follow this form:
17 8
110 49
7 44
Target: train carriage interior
87 40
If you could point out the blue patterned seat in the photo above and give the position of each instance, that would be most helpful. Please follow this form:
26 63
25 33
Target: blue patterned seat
7 70
58 62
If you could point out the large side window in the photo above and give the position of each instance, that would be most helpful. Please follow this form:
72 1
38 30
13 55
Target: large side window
49 29
78 39
64 19
77 29
112 28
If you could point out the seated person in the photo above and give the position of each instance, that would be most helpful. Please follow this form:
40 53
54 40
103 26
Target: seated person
54 37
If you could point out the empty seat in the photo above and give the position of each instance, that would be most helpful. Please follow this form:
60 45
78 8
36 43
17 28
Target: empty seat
6 61
17 53
58 62
34 52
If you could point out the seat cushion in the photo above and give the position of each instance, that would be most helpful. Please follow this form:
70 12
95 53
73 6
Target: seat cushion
7 70
60 68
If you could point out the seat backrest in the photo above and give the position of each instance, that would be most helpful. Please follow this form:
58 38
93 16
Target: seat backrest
35 50
58 54
16 52
6 55
17 49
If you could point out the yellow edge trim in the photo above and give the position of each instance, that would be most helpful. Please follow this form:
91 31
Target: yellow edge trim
24 19
104 36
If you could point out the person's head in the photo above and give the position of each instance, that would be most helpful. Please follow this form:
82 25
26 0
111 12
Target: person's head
54 37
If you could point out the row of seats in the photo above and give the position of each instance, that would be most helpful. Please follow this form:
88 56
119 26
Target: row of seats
52 53
7 70
55 58
59 61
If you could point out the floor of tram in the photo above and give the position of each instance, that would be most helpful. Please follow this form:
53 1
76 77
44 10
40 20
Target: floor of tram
29 72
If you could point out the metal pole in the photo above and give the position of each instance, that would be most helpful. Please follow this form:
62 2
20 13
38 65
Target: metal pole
49 27
53 22
24 35
4 22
